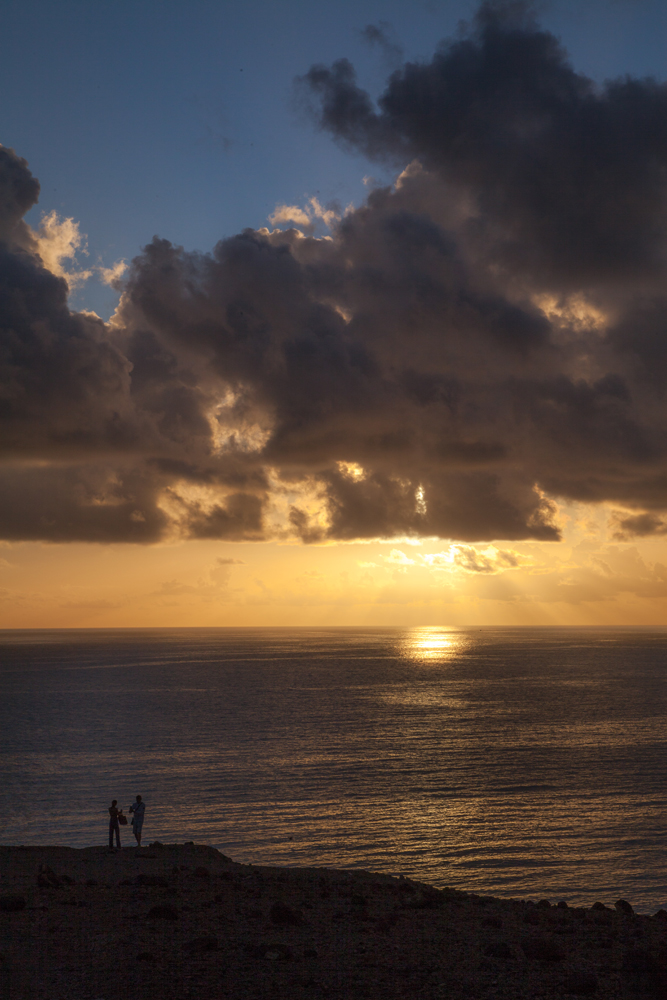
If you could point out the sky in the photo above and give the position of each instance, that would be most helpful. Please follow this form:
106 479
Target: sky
335 314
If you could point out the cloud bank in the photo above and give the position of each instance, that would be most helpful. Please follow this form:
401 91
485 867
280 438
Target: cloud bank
482 338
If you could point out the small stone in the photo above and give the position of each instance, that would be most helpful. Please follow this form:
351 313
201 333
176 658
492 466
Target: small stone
163 912
501 950
661 914
274 952
581 983
542 949
544 904
12 903
278 952
385 924
285 916
562 905
598 906
156 881
200 945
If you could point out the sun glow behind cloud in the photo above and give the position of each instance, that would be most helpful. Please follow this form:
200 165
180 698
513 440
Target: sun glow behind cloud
589 578
401 401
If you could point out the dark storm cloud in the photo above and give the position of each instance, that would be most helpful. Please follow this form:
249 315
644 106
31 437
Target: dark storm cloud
65 387
567 178
638 526
19 191
483 337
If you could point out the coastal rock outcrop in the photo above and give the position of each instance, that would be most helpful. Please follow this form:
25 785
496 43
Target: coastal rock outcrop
183 920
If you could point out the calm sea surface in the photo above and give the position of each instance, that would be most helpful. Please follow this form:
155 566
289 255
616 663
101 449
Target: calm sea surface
518 762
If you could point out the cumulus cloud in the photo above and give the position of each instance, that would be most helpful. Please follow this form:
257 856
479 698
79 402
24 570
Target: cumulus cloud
398 558
307 216
113 275
472 343
57 241
283 214
474 560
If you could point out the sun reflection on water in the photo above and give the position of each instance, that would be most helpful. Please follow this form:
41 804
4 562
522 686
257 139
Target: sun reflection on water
433 643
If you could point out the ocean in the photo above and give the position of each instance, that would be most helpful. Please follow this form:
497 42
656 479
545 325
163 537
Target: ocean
527 762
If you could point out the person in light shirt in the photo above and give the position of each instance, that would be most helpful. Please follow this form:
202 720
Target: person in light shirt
137 809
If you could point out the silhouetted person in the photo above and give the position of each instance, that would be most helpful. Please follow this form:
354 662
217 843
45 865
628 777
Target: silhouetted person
138 809
113 825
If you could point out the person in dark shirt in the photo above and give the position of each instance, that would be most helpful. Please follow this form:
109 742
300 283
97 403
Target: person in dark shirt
114 825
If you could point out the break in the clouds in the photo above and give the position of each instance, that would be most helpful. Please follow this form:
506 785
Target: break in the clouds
471 344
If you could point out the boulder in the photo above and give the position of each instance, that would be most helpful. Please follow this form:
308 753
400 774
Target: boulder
501 950
47 878
624 907
640 963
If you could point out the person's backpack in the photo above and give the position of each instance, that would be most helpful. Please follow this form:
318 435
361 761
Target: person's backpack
122 818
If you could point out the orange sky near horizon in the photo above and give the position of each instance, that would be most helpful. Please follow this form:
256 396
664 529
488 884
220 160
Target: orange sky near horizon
589 578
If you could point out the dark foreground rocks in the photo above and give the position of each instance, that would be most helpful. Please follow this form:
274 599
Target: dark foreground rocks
181 921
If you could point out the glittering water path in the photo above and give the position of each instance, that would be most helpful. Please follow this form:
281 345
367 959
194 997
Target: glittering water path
519 762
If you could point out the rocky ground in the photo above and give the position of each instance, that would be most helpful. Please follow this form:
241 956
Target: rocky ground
182 920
